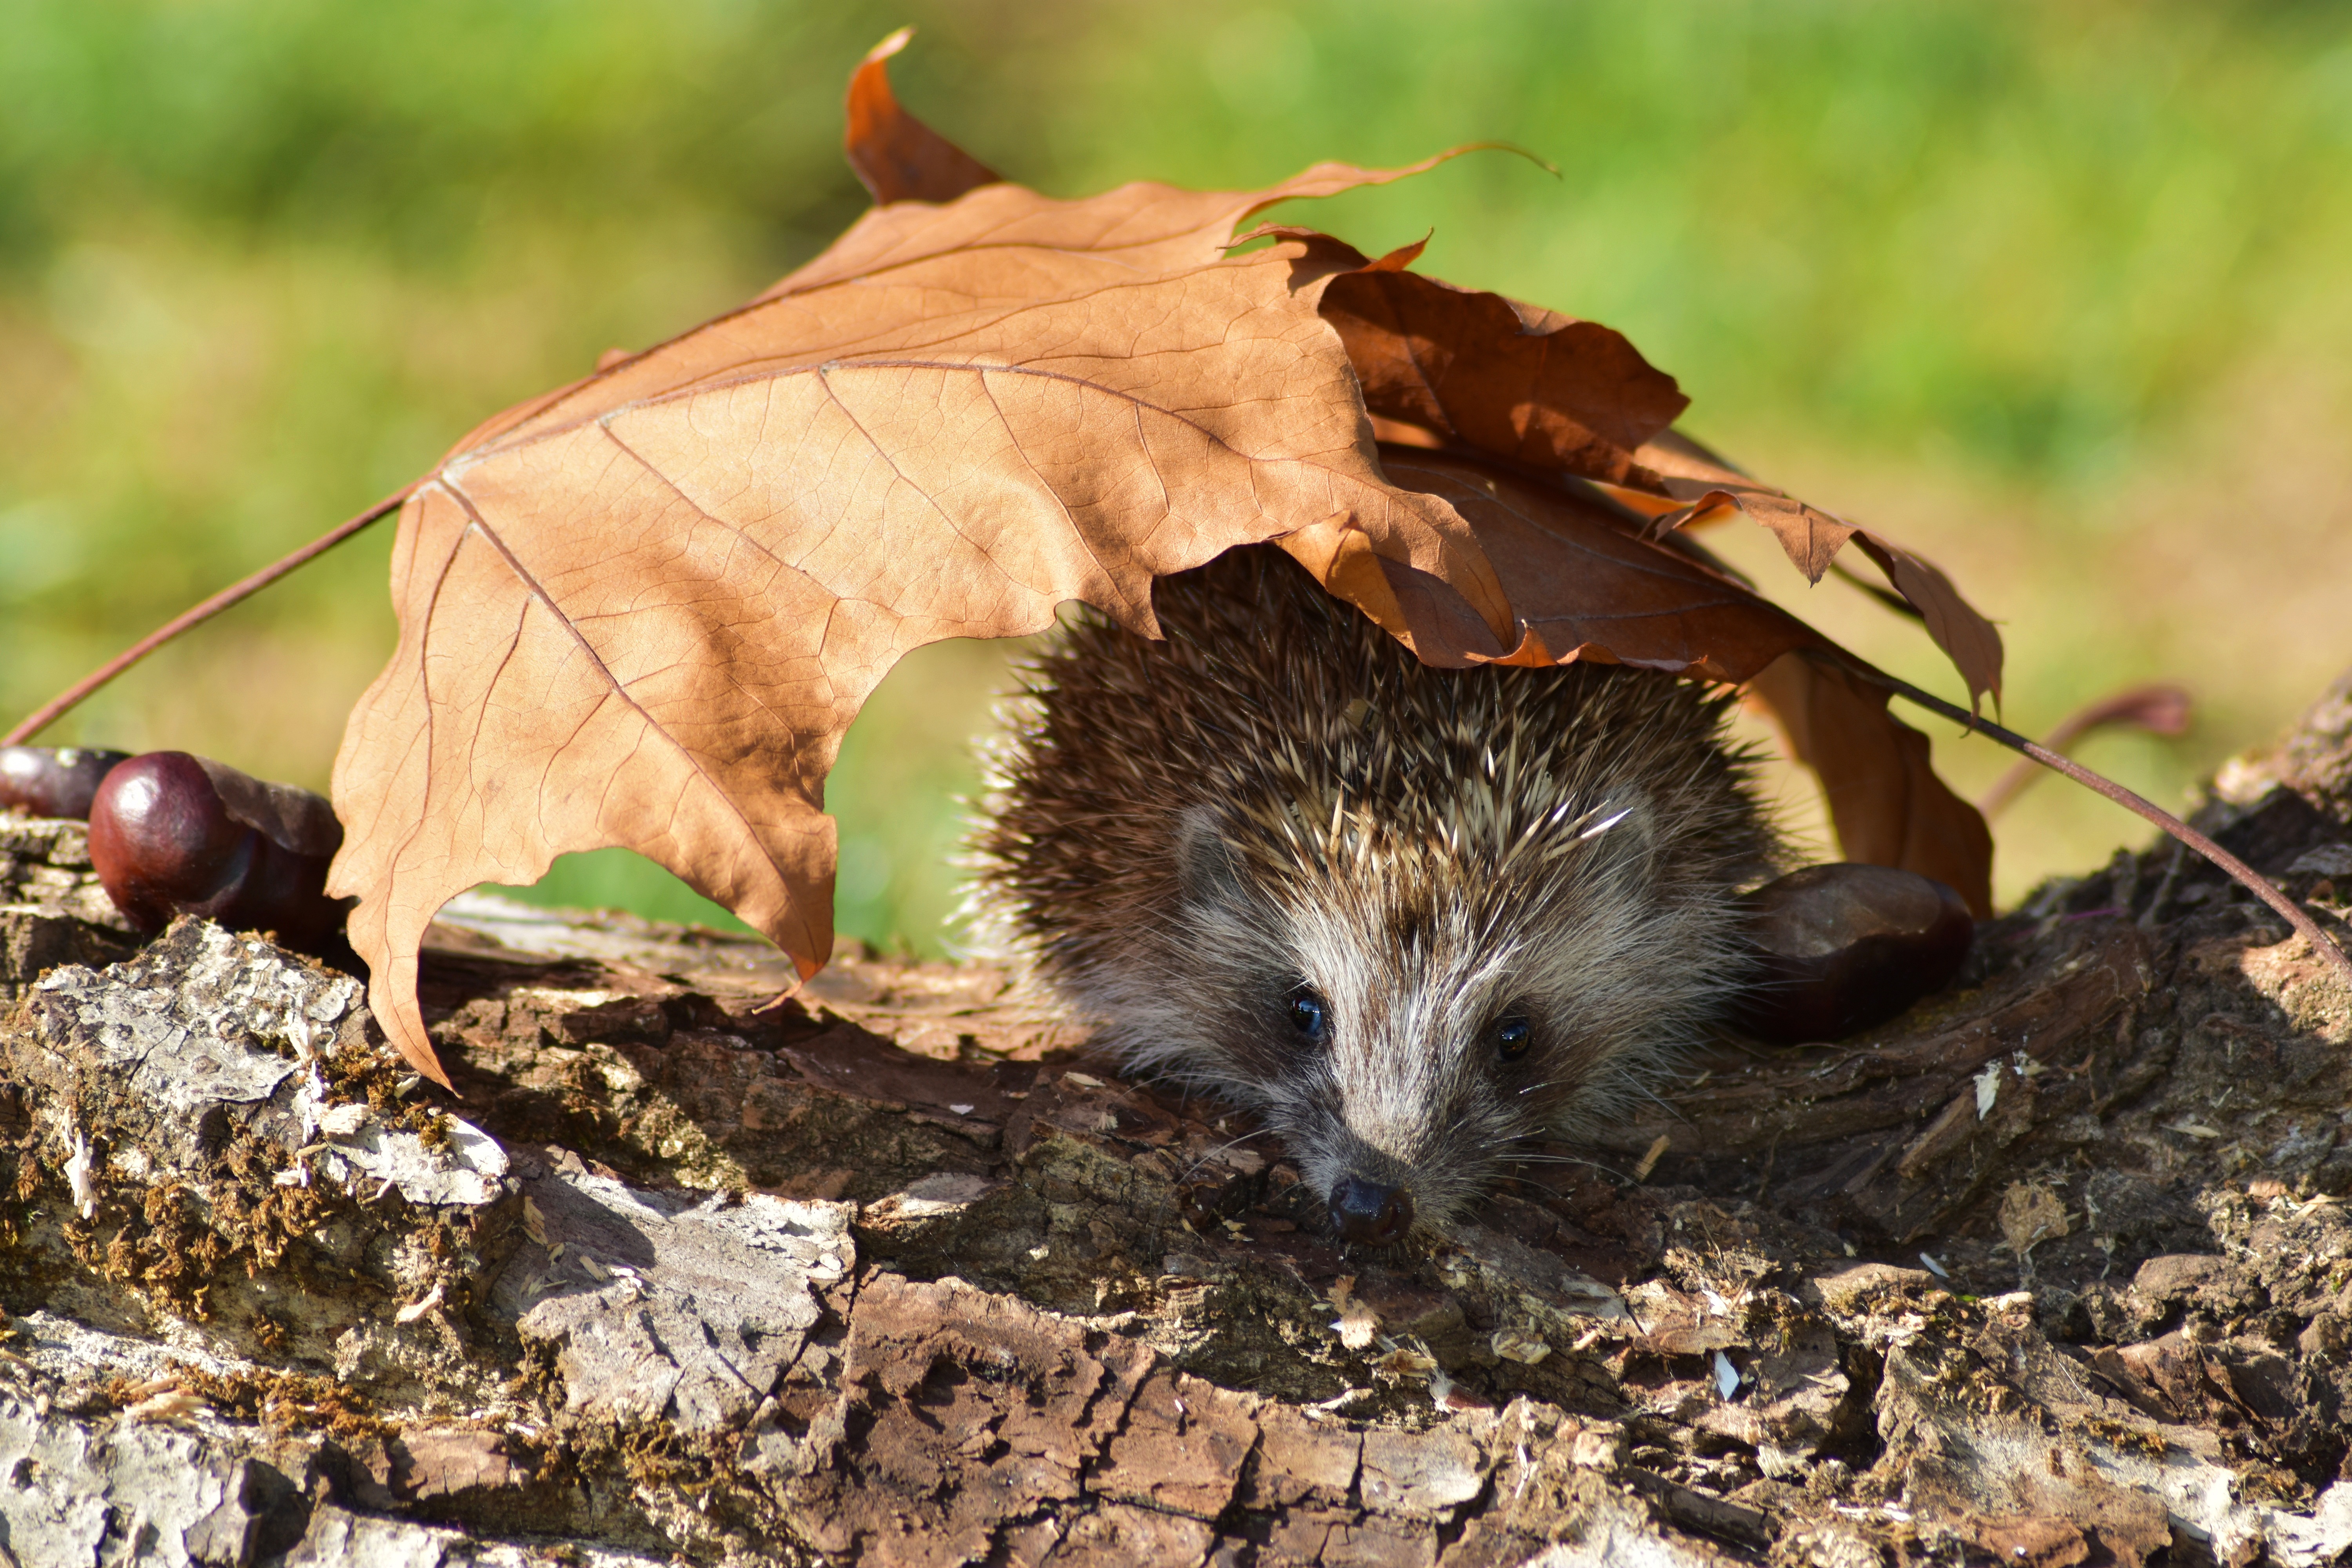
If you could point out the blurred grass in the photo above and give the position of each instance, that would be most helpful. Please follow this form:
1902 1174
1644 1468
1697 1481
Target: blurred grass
2057 295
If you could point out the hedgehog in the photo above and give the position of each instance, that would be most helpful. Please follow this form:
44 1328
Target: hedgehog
1411 917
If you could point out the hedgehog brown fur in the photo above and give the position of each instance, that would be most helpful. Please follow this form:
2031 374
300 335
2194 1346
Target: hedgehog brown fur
1409 915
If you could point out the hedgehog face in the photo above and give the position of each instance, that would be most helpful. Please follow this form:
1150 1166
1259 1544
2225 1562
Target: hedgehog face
1405 1009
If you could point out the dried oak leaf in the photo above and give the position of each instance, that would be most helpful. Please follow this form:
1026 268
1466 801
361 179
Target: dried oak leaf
643 609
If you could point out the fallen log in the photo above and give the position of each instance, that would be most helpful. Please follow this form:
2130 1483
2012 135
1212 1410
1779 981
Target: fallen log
2052 1269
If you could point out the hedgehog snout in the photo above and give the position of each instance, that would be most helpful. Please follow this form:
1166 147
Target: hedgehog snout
1371 1213
1381 1177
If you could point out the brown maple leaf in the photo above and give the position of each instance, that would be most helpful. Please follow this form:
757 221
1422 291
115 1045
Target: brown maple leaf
643 609
1887 804
642 613
898 157
1450 366
1708 488
1586 582
1477 370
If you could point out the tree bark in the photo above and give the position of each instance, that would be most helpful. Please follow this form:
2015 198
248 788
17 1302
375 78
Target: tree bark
2053 1270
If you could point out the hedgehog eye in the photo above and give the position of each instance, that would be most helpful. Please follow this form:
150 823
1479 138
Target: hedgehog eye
1308 1016
1512 1036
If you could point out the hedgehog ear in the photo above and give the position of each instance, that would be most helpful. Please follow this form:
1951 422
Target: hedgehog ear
1205 871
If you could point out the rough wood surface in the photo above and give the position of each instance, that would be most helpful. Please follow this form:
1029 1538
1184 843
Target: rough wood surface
2053 1270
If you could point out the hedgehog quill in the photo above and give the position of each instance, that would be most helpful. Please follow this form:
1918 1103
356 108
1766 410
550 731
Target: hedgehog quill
1410 917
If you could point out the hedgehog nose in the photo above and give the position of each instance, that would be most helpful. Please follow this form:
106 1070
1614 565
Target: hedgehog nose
1367 1212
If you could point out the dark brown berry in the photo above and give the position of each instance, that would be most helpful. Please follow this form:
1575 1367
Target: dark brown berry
1844 946
53 781
172 834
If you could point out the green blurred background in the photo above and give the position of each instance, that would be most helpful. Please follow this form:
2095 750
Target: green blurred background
2055 294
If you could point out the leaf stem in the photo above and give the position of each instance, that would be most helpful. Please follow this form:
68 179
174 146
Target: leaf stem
64 702
2157 709
2254 881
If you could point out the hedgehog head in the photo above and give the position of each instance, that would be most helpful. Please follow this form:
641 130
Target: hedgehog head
1407 996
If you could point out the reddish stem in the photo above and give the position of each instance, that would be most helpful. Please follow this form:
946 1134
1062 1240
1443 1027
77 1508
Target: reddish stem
64 702
2245 876
2159 709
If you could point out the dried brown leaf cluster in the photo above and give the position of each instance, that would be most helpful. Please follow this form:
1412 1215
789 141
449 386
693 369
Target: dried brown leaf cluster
644 609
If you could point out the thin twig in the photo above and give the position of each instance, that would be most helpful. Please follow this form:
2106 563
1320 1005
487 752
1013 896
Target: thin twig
2254 881
64 702
2157 709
